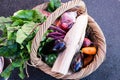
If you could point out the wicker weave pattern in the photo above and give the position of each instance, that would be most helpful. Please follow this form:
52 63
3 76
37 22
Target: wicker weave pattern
99 58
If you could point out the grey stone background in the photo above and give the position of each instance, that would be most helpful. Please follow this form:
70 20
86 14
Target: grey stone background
107 15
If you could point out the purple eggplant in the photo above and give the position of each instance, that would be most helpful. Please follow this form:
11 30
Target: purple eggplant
56 35
57 29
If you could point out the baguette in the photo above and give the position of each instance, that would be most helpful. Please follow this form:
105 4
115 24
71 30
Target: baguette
74 39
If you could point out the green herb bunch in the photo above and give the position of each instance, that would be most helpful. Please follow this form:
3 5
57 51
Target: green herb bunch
16 34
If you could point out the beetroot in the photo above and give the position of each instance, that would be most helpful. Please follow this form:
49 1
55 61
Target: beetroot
64 26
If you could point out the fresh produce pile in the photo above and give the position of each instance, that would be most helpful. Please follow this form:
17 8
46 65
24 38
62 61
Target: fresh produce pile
16 34
53 43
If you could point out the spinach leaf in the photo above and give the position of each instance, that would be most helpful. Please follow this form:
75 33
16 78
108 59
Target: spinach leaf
10 50
21 74
24 32
18 22
23 16
7 72
16 37
4 20
3 29
20 36
15 64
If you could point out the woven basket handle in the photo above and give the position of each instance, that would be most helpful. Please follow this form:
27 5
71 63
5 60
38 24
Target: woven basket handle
43 28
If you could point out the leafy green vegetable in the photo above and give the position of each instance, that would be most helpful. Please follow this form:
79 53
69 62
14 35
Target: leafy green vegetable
20 36
15 64
18 22
44 41
5 20
25 30
16 34
3 29
11 32
21 74
53 5
29 46
23 16
6 73
10 50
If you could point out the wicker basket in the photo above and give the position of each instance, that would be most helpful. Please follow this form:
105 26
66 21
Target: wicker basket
98 38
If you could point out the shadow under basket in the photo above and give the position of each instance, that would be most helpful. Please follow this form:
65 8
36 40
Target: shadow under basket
96 35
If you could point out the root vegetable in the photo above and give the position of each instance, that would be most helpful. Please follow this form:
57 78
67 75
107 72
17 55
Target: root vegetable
89 50
86 42
87 60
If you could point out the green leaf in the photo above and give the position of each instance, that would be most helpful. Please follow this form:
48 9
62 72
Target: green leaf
3 35
24 32
18 22
11 31
7 72
17 63
38 17
22 16
57 3
4 20
3 29
21 74
29 46
53 5
49 10
28 27
29 38
20 36
10 50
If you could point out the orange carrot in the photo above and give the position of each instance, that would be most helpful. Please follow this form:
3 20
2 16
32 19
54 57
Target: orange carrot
89 50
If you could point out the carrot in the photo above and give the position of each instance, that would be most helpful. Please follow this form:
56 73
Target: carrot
89 50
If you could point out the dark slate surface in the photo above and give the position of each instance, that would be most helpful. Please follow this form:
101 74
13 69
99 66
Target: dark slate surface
107 15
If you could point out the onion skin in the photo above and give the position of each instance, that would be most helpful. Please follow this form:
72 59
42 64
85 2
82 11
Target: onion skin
87 42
